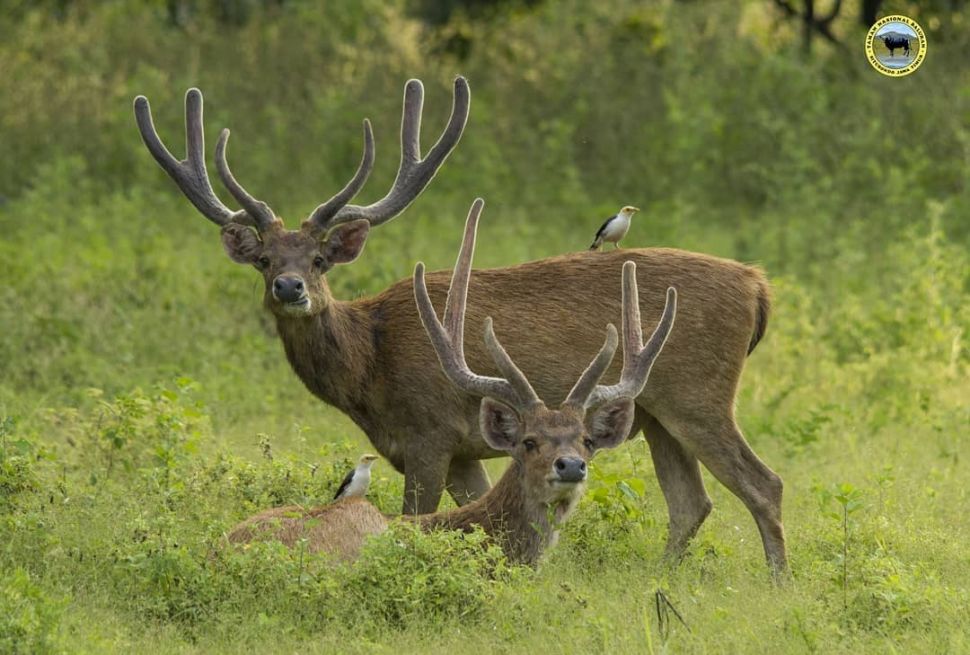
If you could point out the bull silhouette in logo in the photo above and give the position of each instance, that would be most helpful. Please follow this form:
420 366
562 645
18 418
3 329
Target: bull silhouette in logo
892 43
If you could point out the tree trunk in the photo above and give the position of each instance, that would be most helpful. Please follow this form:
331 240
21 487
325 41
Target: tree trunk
808 25
868 12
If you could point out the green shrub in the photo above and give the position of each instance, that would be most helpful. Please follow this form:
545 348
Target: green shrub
892 595
401 577
610 523
405 575
29 617
17 473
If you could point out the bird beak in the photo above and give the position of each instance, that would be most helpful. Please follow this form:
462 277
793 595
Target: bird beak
636 209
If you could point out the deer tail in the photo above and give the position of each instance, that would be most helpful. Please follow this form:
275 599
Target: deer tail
761 313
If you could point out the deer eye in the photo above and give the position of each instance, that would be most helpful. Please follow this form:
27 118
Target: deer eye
263 262
588 443
318 261
529 444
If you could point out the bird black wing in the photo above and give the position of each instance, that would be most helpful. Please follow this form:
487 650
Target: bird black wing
602 229
346 483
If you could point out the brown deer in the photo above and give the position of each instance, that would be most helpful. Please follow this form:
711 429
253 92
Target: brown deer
371 359
549 447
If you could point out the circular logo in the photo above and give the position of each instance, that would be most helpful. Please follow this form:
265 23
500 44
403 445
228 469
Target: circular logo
896 46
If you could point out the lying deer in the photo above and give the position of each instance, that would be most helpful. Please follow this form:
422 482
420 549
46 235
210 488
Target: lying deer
550 448
370 357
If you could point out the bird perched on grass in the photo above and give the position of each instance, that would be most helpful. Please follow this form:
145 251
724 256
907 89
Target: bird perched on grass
356 482
615 228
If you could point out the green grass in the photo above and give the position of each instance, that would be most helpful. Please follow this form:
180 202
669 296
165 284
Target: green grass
146 405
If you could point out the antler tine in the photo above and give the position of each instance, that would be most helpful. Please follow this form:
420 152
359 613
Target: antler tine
190 173
414 173
323 213
260 212
587 381
447 339
526 394
637 358
458 288
412 109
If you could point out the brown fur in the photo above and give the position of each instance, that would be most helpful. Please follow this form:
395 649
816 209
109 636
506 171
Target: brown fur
338 529
371 359
550 448
522 513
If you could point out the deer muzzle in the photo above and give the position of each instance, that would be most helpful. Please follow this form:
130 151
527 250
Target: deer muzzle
569 469
290 289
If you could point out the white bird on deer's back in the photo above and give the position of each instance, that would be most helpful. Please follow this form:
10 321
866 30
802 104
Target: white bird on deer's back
356 482
614 228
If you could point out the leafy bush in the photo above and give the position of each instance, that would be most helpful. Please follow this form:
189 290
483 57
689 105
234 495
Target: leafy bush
401 577
29 617
16 471
613 522
893 596
134 431
405 575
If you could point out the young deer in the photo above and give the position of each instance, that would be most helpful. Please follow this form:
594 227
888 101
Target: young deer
371 359
549 447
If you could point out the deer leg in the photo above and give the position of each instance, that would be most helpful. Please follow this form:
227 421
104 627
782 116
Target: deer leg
722 449
467 480
679 475
423 483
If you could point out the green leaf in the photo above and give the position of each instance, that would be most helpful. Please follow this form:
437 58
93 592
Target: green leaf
627 491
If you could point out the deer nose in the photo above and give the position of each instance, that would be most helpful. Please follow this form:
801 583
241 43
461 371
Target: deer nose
570 469
288 288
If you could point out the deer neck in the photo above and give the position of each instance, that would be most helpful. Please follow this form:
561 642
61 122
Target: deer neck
333 353
524 527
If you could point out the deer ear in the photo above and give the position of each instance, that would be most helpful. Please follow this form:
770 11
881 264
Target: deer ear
242 244
609 425
345 242
500 424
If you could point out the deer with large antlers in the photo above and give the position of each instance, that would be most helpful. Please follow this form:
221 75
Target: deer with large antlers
371 358
550 448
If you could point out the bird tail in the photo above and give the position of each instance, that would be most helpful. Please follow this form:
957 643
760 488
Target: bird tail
596 244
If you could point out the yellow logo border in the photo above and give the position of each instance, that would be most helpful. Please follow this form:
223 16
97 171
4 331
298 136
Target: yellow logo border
917 60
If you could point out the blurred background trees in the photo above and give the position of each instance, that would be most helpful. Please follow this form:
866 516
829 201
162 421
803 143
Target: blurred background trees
712 116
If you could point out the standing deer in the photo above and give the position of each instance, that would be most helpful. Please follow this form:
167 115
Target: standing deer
371 359
549 447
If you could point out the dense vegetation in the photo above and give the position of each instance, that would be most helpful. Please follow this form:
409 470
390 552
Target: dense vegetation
145 404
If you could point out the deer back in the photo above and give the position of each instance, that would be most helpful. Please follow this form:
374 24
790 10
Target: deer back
338 529
559 306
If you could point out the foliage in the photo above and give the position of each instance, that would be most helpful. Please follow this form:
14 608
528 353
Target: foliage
162 554
28 616
16 470
617 522
405 575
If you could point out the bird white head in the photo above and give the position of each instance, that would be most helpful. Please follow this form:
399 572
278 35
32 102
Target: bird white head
629 210
367 460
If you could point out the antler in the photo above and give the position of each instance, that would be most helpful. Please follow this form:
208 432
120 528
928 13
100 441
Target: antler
637 358
190 174
447 339
587 381
413 174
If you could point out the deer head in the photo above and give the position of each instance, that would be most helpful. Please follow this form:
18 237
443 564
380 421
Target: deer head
294 263
552 446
